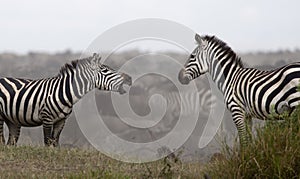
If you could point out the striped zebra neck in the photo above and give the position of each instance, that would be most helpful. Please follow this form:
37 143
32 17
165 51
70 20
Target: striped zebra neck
79 78
223 62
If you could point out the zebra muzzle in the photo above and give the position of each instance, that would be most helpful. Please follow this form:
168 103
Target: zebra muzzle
126 80
183 78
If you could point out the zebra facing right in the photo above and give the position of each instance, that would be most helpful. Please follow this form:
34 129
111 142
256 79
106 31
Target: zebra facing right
49 102
248 92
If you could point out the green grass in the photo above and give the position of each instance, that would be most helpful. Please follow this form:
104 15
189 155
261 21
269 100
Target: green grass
45 162
274 153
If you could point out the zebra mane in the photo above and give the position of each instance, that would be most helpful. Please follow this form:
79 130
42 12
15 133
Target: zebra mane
225 47
72 65
68 66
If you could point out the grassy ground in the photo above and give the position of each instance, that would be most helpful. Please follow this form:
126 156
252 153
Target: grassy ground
274 153
42 162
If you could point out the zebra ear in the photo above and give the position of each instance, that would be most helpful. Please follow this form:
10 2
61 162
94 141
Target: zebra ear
201 42
95 61
198 39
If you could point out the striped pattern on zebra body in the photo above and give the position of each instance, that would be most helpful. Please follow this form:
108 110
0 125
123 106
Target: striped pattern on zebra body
248 92
49 102
188 103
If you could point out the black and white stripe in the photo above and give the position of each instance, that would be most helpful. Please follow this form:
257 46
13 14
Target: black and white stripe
187 103
49 102
247 92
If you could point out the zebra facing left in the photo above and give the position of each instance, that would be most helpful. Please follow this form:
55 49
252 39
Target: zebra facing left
248 92
48 102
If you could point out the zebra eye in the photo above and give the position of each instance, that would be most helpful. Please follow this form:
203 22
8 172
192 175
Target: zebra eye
105 70
192 56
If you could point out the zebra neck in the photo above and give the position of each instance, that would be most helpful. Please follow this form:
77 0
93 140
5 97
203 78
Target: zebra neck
82 82
223 72
223 63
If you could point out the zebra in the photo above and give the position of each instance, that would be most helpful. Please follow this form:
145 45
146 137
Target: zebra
48 102
190 102
248 92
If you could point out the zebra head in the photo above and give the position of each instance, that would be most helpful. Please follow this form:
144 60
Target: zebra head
107 78
197 63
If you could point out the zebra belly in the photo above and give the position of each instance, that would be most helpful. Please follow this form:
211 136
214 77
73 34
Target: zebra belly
278 106
18 117
287 99
276 95
26 122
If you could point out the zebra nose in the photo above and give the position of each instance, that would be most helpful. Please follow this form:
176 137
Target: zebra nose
127 79
183 78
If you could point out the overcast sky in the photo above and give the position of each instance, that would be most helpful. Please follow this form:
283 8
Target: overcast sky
44 25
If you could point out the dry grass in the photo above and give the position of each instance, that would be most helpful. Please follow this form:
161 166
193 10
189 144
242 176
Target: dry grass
274 153
29 161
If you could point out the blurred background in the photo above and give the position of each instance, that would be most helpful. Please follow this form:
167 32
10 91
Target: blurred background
38 37
53 26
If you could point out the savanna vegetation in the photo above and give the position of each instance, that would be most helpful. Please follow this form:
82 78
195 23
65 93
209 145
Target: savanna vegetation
48 162
274 153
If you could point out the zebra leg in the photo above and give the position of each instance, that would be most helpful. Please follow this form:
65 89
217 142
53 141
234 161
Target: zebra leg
14 133
2 140
249 124
47 130
57 128
239 120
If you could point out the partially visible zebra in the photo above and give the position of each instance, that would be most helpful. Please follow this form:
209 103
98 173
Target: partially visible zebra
247 92
49 102
190 102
